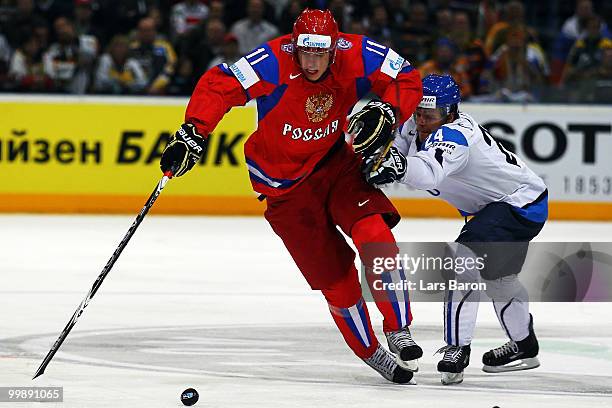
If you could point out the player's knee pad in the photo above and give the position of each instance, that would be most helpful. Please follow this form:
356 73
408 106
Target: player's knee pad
373 239
345 292
506 288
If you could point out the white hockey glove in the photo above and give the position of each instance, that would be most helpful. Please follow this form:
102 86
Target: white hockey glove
392 168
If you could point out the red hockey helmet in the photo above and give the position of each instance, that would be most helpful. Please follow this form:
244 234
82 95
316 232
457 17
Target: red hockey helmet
315 31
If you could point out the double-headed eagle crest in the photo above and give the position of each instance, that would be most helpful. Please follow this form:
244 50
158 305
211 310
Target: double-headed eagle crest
318 106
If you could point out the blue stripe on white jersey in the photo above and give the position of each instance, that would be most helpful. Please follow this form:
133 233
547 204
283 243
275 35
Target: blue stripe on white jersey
537 212
445 134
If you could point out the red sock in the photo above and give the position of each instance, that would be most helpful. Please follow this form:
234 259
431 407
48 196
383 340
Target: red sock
350 314
373 238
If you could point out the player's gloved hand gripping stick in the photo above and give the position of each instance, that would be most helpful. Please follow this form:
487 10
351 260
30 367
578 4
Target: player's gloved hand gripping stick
185 148
183 151
388 168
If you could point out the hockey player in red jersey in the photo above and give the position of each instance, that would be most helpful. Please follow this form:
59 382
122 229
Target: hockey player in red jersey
305 84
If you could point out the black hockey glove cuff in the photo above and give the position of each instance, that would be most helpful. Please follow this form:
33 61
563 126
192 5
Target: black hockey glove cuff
185 148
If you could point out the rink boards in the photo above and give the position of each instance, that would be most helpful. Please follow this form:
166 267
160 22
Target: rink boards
101 155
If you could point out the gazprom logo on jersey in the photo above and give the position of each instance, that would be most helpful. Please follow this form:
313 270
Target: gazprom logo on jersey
244 73
237 73
428 102
392 64
314 41
397 64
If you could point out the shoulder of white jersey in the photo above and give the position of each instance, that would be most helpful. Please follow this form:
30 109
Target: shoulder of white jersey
261 64
449 133
467 125
377 56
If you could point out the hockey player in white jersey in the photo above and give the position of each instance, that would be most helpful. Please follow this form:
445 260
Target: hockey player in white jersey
447 153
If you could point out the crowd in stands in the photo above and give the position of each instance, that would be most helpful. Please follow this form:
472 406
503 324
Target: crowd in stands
498 51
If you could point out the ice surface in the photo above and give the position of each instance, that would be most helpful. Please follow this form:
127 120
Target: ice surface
217 304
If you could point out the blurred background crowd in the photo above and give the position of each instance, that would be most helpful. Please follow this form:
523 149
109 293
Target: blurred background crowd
498 51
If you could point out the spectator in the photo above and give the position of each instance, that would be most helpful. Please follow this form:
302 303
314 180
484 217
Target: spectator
83 25
514 13
253 30
416 38
5 57
20 25
217 11
160 22
229 52
357 27
379 29
41 32
156 56
69 61
186 15
343 13
203 44
289 14
471 48
447 61
444 23
117 73
53 9
518 69
127 14
602 79
574 28
182 83
26 72
398 13
586 54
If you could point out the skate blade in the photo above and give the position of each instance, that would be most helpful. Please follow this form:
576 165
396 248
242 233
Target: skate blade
410 365
451 378
518 365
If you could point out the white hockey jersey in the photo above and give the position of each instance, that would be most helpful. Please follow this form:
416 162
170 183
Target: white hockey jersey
464 165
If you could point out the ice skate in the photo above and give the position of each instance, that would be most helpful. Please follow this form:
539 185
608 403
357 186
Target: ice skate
514 355
385 364
405 349
454 361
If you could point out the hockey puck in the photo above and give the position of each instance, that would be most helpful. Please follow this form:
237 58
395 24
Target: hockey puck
189 397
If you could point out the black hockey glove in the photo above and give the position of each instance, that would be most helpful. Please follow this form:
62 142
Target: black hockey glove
183 151
372 128
392 168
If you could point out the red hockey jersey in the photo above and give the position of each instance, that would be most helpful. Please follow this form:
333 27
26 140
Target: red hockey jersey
298 120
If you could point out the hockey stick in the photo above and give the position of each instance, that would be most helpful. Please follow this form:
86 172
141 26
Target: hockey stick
109 265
